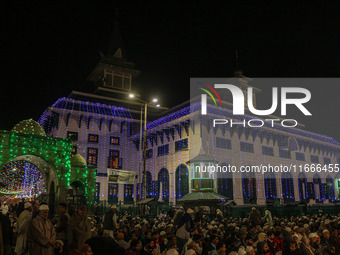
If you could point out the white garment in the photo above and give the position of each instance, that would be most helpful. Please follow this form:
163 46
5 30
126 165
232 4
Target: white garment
22 228
4 209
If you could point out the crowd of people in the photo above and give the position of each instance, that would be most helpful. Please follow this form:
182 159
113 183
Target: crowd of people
177 232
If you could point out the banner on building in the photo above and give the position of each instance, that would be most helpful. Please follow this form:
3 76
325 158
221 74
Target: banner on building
121 176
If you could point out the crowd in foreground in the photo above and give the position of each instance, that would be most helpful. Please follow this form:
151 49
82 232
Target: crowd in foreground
179 231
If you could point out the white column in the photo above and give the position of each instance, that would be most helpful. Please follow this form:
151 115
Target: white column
237 189
311 201
279 187
296 189
260 189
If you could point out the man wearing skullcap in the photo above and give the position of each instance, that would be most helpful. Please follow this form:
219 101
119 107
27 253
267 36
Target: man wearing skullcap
178 215
110 220
80 226
185 227
22 227
254 217
41 234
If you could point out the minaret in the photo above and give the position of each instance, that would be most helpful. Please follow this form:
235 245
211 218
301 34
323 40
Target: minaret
114 73
242 81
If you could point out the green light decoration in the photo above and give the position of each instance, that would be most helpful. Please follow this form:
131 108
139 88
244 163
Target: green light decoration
26 146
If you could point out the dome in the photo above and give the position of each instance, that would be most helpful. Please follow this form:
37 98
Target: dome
78 160
29 127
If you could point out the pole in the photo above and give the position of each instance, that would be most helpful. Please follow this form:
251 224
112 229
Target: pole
144 150
140 155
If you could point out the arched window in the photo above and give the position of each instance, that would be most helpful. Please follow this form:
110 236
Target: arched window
302 183
163 180
182 181
287 187
270 186
149 185
225 182
249 188
319 188
329 189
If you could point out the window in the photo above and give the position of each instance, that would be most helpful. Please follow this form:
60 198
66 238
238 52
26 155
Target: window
114 79
74 149
314 159
149 153
93 138
326 161
97 192
92 156
181 145
300 156
163 150
115 140
247 147
128 193
72 135
284 153
223 143
114 161
112 194
267 151
114 153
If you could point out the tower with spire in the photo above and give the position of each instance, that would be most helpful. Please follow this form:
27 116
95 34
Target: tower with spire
114 73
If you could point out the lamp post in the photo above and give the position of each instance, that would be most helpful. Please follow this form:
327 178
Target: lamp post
144 137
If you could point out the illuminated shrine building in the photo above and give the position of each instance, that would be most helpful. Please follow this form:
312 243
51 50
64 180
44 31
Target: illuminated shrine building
108 137
104 129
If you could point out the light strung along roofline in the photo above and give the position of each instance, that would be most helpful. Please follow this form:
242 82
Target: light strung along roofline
86 106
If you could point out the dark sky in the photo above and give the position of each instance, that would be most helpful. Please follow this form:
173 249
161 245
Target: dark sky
49 49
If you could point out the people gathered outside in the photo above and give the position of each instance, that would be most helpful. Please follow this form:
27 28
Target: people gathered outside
182 231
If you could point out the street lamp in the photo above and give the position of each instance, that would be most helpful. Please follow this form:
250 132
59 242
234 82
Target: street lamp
155 100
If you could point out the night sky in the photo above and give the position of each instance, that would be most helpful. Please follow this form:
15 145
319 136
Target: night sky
49 49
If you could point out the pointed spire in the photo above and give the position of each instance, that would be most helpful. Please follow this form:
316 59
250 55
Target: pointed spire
116 47
238 72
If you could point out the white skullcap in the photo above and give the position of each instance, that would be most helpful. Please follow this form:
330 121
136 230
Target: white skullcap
190 211
162 233
190 252
312 235
27 205
172 252
43 208
113 207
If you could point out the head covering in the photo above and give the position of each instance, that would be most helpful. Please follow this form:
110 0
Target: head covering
190 211
162 233
190 252
261 236
253 208
172 252
27 205
43 208
241 251
325 230
312 235
113 207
